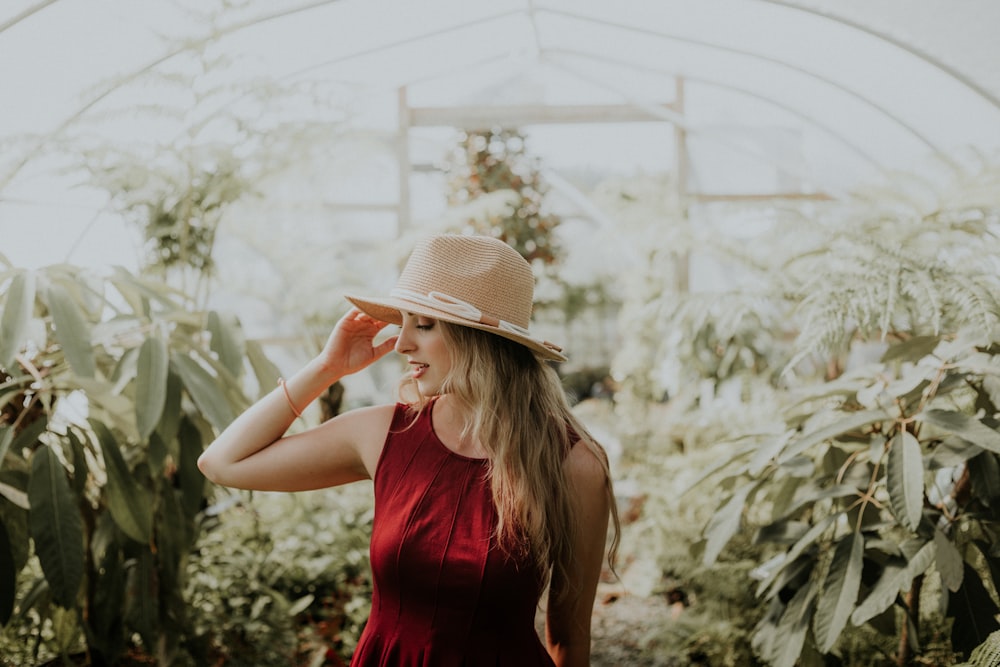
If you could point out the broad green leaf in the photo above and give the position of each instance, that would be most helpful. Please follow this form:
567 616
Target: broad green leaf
204 390
952 452
810 492
840 591
793 626
151 385
28 437
80 471
130 503
141 609
893 580
982 549
781 493
16 496
949 561
156 455
984 473
265 370
6 438
804 543
108 602
17 309
905 479
192 482
126 370
15 517
72 331
711 469
725 523
884 593
767 451
781 532
786 573
11 391
65 629
974 611
106 538
914 349
135 288
56 527
8 576
849 423
172 536
226 343
170 421
966 427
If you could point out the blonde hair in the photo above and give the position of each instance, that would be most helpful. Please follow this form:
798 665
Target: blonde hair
519 414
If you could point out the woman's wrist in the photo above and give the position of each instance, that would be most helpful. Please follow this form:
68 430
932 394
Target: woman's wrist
326 373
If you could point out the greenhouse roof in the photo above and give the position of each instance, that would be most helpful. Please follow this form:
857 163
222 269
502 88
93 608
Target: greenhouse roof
824 93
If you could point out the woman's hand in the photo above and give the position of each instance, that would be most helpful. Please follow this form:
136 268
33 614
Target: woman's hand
351 347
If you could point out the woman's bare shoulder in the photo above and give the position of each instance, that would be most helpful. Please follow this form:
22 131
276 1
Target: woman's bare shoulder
585 465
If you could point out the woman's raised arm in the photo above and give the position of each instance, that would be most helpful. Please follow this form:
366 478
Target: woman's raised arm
251 453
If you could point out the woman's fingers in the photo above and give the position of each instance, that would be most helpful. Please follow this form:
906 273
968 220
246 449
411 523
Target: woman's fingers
385 347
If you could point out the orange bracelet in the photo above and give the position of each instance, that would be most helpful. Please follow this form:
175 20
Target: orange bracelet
284 387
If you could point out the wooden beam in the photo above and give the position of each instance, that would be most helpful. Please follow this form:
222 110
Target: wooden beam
403 161
485 116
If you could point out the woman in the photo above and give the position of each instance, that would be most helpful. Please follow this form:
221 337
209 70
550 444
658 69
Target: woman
487 488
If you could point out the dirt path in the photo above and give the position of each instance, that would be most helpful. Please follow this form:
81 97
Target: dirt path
620 628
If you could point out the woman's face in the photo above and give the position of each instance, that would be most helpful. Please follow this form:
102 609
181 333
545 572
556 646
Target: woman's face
423 343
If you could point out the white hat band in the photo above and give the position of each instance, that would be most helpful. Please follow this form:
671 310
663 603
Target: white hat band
459 308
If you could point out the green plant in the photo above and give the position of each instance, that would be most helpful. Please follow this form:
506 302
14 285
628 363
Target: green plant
110 386
495 162
884 478
280 575
871 494
177 201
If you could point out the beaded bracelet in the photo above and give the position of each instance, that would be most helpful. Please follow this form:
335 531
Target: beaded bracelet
284 387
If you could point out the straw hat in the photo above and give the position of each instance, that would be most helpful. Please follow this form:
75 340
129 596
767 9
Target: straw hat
475 281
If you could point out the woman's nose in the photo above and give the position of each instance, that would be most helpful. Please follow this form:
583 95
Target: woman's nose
403 341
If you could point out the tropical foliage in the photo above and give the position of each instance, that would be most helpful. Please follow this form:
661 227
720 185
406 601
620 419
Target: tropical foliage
110 386
868 476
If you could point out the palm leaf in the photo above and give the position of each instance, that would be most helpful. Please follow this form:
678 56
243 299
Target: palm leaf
56 527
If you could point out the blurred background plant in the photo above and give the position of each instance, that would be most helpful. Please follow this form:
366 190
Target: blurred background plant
856 448
111 385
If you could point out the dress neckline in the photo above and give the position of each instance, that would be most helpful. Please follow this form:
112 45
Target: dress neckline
440 442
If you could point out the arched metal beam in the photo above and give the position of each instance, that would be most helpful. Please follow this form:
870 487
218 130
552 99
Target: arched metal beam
673 117
14 20
854 148
125 79
756 56
409 40
909 48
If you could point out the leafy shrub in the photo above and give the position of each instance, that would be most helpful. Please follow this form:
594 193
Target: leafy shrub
283 575
885 477
109 387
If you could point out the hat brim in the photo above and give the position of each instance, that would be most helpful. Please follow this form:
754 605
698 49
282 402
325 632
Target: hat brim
390 310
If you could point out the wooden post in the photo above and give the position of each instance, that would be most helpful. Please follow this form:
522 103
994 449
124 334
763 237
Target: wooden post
403 159
682 170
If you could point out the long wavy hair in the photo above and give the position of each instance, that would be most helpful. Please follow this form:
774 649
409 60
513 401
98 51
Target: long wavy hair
518 412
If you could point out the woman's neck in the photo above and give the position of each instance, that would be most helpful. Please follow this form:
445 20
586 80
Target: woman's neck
449 424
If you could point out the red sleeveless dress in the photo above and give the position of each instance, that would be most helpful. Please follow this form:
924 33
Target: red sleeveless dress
444 594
